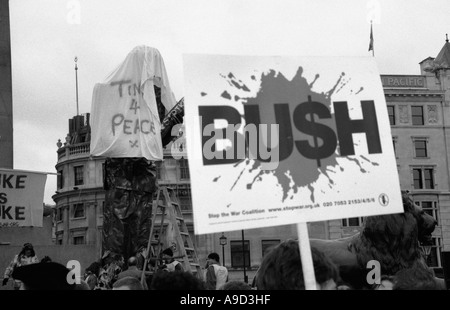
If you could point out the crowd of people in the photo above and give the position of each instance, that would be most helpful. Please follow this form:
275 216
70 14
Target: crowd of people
281 269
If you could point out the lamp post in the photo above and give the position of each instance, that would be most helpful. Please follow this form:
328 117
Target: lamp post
223 243
243 257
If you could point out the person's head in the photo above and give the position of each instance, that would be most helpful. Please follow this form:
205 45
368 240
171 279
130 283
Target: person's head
132 261
235 286
167 254
416 278
48 276
128 283
178 280
46 259
281 269
27 250
213 258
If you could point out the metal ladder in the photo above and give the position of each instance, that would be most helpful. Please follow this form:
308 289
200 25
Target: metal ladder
167 203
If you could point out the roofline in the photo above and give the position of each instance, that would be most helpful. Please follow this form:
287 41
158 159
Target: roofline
429 57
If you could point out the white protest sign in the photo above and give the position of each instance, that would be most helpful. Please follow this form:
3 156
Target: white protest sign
21 198
124 112
325 119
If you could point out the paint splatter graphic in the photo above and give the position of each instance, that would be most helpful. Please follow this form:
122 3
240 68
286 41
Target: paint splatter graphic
276 88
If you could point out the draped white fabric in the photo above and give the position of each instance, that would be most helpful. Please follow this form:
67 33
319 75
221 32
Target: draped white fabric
124 114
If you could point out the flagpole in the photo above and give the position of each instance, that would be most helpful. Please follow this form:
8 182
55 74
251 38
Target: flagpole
76 81
373 45
371 40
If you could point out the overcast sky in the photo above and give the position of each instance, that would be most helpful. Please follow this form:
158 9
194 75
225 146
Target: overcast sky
46 35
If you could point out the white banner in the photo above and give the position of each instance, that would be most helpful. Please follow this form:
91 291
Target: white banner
330 154
21 198
124 113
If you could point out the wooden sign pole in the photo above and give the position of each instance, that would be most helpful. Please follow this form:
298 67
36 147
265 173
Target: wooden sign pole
306 256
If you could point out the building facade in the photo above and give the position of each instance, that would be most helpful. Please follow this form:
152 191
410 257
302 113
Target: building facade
419 114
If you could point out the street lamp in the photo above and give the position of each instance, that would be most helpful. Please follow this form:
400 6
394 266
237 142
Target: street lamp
223 243
243 257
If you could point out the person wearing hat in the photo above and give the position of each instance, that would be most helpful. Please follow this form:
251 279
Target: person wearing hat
26 256
170 264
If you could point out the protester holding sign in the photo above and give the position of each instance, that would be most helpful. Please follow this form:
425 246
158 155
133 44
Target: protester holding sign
281 269
26 256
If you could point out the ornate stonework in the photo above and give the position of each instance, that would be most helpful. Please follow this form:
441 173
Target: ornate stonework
403 114
432 114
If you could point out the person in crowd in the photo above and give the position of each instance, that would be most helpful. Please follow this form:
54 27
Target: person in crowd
281 269
267 250
132 271
43 276
415 278
26 256
128 283
111 270
170 264
91 275
181 280
235 285
108 271
46 259
216 275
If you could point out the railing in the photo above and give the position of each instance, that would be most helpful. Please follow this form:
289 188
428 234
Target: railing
75 149
79 148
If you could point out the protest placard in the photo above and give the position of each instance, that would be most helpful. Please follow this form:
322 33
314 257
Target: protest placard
285 140
21 198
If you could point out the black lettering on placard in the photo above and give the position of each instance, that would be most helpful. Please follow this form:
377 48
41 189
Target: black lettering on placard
304 118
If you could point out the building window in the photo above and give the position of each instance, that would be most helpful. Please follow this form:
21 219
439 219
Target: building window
59 239
60 179
78 210
430 207
185 204
184 169
423 178
78 171
78 240
184 197
59 214
352 222
78 236
434 259
391 113
237 260
267 245
420 148
417 115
